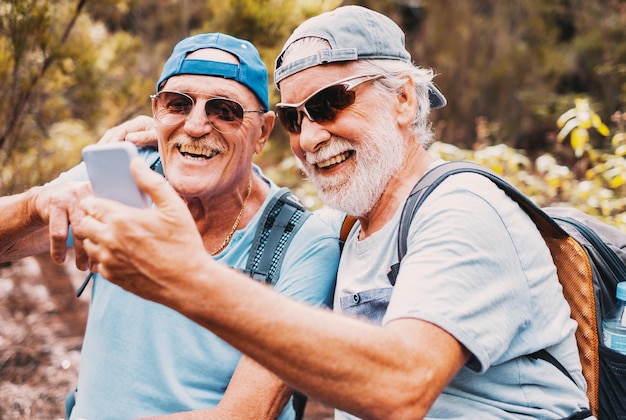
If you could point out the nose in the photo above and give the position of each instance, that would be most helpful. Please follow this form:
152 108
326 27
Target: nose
197 124
312 135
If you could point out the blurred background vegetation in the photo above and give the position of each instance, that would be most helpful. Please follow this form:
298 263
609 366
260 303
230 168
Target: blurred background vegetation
536 88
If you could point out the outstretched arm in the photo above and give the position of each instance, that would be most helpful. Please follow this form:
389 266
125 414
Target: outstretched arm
395 371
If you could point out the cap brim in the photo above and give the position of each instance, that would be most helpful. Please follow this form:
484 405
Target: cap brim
437 100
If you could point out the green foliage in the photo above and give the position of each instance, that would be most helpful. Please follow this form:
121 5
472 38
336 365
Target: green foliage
520 63
70 69
599 193
88 66
62 67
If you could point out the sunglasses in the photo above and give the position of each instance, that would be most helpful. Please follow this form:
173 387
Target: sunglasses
225 115
323 104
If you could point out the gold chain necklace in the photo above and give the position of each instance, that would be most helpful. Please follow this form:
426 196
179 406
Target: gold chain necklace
234 228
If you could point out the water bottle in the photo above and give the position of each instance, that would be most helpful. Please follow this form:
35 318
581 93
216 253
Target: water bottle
614 324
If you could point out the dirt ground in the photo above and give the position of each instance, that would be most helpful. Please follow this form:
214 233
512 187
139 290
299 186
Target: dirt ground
41 329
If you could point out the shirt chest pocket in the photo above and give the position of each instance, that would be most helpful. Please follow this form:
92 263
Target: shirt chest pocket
369 305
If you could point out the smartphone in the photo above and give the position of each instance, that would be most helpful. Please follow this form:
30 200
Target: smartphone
108 166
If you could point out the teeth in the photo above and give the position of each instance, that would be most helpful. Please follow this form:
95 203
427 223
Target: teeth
333 160
198 152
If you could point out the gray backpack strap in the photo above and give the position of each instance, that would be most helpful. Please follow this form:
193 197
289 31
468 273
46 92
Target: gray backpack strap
436 176
282 217
546 224
420 191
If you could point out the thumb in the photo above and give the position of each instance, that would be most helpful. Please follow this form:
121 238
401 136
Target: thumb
153 184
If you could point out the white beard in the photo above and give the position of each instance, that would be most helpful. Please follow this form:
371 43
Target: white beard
379 155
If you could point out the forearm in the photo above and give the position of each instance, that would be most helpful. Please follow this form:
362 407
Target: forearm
21 227
370 371
253 393
364 369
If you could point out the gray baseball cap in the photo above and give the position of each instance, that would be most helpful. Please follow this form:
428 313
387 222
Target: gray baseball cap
354 33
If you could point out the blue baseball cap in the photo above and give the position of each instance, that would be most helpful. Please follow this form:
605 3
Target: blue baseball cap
250 72
354 33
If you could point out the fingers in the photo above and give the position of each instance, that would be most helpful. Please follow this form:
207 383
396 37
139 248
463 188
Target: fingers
95 232
91 248
56 205
98 210
144 138
80 255
113 135
58 232
140 130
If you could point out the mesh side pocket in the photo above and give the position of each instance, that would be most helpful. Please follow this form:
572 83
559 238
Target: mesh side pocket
612 384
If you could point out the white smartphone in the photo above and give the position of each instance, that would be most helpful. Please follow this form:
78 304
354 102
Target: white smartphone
108 166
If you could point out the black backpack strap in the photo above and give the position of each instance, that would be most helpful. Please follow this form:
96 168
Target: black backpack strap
282 217
543 354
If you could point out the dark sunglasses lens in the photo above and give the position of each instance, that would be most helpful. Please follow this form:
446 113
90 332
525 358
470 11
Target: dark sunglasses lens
288 117
323 107
224 109
172 107
225 115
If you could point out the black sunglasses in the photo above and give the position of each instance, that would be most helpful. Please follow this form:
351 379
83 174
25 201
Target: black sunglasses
323 104
225 115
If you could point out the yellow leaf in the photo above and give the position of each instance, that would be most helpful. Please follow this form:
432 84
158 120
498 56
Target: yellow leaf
621 150
618 139
567 115
579 138
567 128
603 129
617 181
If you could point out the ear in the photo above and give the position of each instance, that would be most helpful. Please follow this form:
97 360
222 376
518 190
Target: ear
269 118
406 103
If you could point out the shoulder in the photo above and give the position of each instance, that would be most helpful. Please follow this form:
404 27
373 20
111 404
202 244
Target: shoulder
305 233
76 173
314 226
466 194
331 217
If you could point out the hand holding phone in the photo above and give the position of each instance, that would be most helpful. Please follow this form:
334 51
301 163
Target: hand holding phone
108 166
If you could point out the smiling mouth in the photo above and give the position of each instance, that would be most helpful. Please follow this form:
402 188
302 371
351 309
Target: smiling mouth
194 152
335 160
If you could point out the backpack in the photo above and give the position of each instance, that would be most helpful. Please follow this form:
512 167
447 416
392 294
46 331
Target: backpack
590 258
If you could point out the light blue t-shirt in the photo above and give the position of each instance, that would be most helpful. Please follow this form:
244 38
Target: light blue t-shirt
140 358
477 267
